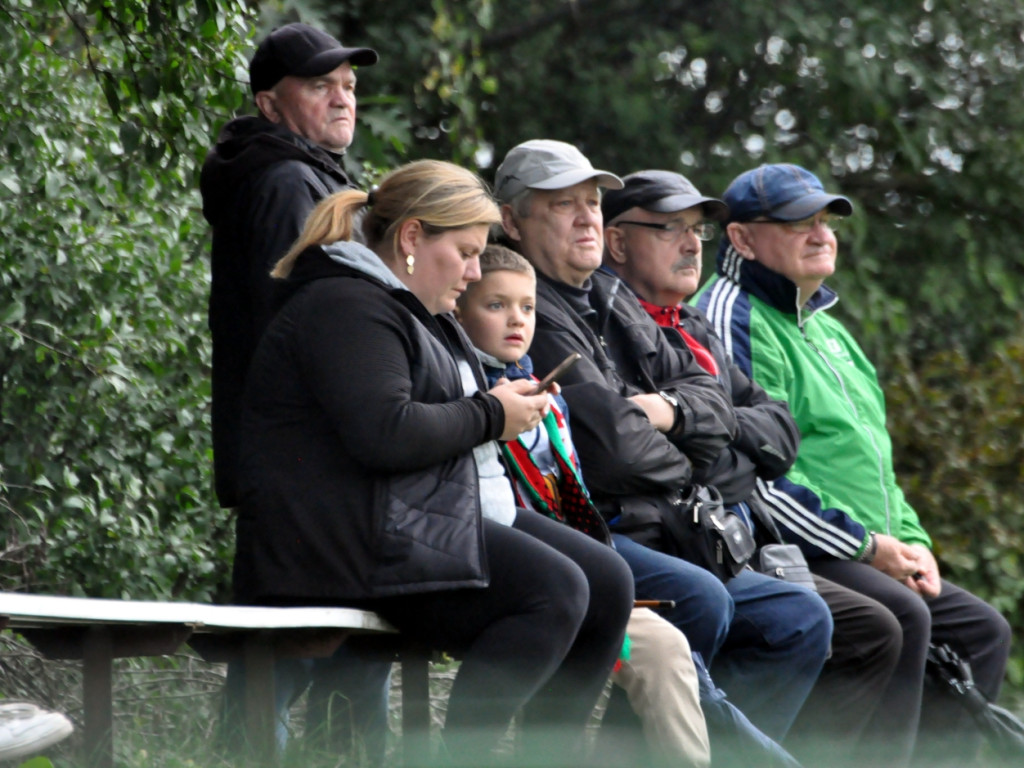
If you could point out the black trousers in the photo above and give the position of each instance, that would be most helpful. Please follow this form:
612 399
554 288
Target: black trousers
865 651
544 634
906 725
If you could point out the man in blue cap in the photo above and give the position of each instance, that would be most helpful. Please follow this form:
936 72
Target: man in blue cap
840 501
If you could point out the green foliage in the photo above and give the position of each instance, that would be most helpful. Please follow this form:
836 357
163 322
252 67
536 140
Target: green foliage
104 393
911 109
959 432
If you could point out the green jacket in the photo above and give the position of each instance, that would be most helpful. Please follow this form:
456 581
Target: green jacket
842 485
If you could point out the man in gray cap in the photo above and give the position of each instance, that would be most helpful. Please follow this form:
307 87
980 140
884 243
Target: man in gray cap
259 183
840 501
646 418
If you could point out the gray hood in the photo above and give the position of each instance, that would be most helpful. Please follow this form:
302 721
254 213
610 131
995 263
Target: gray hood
359 257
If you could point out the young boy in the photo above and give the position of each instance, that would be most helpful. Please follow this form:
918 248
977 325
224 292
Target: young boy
658 676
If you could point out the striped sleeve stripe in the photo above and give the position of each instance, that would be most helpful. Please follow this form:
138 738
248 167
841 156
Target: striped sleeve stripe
806 524
723 294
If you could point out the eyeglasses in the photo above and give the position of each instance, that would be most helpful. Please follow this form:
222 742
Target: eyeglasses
803 226
703 230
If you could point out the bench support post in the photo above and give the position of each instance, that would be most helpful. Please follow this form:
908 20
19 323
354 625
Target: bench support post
97 696
260 723
415 706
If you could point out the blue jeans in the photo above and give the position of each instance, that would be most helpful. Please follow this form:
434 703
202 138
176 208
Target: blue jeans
765 640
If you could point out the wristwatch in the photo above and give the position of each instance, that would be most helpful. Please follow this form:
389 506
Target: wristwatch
670 399
870 549
677 412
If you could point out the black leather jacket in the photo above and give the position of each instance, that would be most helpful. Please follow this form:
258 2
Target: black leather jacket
631 469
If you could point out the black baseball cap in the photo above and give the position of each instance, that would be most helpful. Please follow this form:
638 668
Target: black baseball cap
302 51
661 192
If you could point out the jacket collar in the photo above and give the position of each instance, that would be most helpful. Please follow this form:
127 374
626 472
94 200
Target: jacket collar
769 286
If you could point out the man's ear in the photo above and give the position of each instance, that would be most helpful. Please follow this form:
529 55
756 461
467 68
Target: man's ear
615 244
410 234
739 236
266 101
508 222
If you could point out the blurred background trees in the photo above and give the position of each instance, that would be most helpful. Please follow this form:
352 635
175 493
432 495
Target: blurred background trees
910 109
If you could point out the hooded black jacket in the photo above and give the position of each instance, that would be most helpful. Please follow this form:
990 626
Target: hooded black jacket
357 474
259 183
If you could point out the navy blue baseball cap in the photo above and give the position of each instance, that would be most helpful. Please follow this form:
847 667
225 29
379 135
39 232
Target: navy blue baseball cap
301 51
783 192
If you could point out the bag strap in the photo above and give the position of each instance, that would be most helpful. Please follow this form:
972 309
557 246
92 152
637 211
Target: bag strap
758 508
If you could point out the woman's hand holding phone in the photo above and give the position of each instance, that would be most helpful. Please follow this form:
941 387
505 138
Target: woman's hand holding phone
523 407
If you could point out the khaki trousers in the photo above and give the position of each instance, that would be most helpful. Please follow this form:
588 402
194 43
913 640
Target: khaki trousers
660 682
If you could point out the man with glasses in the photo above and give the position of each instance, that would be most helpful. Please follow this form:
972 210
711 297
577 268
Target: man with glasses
840 501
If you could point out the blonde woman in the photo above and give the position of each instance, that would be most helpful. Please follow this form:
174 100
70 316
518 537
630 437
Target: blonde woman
372 476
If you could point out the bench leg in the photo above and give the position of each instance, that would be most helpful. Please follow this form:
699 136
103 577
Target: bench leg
416 707
97 697
259 697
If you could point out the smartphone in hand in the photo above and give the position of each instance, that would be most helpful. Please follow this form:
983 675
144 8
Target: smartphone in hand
558 371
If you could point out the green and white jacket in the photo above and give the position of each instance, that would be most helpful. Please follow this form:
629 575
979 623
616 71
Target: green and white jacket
842 486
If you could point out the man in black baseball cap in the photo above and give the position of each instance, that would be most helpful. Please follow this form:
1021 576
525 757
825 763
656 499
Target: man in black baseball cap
259 183
656 225
301 51
304 79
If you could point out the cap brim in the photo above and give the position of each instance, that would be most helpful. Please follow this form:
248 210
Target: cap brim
328 61
809 205
713 208
575 176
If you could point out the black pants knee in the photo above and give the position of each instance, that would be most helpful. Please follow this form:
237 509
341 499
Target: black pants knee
547 630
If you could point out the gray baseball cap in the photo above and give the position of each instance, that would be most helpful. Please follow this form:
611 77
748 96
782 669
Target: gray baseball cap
546 164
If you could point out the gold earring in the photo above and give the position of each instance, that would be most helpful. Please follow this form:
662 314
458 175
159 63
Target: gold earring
410 262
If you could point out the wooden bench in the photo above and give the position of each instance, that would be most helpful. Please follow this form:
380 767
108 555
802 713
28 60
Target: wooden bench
96 631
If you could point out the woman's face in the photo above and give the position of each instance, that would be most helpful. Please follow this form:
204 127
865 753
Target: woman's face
443 266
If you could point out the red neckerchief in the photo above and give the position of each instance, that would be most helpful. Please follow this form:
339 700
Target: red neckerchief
668 317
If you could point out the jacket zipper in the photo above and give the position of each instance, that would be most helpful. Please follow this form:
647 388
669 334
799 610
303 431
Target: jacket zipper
853 406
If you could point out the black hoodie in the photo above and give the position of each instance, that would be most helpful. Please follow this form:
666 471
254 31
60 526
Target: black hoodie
259 183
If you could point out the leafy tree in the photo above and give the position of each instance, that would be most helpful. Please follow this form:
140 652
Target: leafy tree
104 394
911 109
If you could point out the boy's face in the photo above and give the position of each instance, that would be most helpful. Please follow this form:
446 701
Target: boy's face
498 314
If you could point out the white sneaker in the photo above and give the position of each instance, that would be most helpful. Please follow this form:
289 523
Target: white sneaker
26 729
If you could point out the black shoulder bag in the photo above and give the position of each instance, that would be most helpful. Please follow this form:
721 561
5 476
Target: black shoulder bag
699 528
